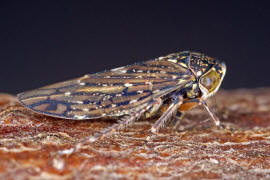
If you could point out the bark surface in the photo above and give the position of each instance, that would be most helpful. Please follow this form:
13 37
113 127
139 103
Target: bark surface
30 144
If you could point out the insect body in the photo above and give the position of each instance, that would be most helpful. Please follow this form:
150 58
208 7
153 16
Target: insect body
181 80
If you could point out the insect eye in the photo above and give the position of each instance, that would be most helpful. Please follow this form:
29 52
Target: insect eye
210 81
207 82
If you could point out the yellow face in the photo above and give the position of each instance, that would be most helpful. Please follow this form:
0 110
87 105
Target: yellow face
209 82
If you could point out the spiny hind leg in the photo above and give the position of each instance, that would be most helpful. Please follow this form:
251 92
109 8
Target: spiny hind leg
123 123
166 116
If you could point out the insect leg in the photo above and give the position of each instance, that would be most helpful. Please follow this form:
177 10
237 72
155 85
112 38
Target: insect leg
212 114
186 106
125 121
167 115
192 102
176 120
156 106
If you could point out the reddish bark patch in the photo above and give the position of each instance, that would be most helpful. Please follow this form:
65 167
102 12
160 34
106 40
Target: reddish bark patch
29 144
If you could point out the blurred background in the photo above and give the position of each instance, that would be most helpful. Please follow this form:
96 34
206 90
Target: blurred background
43 42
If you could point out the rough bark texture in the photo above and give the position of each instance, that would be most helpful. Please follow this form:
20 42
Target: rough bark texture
30 144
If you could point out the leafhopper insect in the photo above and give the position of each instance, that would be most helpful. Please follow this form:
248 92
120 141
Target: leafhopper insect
180 80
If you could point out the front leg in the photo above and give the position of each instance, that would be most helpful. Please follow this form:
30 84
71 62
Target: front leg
188 105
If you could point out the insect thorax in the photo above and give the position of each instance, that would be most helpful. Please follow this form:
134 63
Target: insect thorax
203 68
198 63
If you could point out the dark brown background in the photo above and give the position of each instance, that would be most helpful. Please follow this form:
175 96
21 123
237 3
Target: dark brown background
43 42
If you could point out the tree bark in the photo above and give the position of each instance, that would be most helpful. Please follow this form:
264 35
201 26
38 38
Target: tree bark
33 145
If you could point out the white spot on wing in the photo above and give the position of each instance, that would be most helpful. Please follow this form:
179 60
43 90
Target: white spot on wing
172 60
128 85
116 69
67 93
160 58
133 101
86 76
79 102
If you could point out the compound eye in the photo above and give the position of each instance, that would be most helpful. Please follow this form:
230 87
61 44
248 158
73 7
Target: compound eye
207 81
210 81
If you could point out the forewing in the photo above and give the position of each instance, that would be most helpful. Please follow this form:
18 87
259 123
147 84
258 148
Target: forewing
110 93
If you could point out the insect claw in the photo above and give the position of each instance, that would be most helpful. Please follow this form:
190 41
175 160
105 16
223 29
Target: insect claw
154 130
149 137
217 122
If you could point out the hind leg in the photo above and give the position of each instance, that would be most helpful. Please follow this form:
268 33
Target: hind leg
167 115
123 123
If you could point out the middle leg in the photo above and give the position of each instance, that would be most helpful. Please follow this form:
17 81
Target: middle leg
167 115
123 123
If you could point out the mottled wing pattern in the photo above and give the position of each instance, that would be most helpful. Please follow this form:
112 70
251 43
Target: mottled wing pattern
110 93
